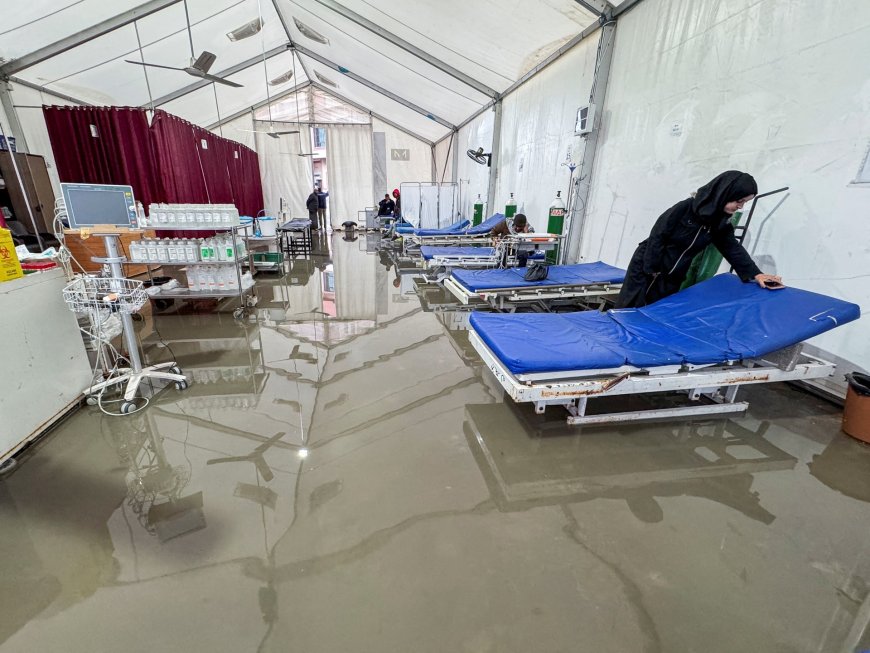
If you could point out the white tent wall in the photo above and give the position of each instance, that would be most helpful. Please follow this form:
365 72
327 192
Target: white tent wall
474 177
349 161
417 167
776 88
537 132
28 103
284 173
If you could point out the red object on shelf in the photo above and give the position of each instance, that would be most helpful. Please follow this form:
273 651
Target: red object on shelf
37 266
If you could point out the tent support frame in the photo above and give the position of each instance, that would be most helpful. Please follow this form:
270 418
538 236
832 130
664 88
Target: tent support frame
88 34
494 158
378 89
400 43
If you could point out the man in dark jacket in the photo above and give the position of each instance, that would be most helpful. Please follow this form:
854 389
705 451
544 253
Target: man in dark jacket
660 263
386 206
321 206
311 204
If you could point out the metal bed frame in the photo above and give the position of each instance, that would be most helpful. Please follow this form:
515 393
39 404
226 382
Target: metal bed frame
509 297
718 384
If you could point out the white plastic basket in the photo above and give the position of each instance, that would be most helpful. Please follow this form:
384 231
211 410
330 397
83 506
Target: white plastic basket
87 294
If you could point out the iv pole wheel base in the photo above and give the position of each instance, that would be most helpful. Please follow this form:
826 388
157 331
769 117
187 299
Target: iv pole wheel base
91 400
128 407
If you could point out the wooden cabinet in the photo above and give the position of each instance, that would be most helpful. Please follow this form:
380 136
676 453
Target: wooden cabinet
83 249
36 192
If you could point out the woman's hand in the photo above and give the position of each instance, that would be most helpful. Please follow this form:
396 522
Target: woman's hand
769 281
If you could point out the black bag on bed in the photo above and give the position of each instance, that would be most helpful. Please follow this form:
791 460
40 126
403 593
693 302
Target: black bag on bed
536 272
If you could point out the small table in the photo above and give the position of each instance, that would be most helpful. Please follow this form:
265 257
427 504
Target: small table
294 236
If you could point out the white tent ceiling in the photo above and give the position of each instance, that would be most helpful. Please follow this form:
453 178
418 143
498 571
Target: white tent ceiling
425 66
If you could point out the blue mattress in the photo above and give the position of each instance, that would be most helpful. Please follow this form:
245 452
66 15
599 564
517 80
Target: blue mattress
486 226
455 228
557 275
718 320
431 252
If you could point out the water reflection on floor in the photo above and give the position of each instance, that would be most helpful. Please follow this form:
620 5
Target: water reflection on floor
343 475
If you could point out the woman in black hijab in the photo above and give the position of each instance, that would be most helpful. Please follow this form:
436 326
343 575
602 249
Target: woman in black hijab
660 263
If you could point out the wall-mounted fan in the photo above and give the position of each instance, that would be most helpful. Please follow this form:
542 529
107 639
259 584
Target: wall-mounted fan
479 156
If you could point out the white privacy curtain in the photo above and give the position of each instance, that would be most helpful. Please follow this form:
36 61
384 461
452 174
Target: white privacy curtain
349 171
284 173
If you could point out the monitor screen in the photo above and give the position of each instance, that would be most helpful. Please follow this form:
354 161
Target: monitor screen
94 204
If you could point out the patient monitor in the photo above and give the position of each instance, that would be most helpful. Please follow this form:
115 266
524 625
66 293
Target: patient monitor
89 205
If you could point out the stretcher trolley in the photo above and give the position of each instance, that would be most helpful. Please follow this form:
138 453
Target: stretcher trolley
705 342
506 289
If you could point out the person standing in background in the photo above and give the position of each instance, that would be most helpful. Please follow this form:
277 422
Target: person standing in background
311 204
397 211
321 206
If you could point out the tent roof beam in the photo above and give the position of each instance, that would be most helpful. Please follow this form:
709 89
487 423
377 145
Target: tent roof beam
372 113
597 7
232 70
258 105
410 48
88 34
379 89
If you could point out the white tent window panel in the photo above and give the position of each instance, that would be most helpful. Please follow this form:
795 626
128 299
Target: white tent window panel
96 71
199 106
349 160
313 105
284 173
363 96
491 44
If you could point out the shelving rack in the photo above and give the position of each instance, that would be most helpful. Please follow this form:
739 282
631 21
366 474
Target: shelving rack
185 293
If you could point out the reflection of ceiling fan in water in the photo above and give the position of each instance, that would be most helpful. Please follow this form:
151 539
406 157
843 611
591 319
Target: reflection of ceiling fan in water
479 156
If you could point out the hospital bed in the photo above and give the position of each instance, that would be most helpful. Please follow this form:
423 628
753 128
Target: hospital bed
503 253
705 341
475 235
455 228
506 288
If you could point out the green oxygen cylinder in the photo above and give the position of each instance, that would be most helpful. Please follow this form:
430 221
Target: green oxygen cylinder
510 208
555 225
478 212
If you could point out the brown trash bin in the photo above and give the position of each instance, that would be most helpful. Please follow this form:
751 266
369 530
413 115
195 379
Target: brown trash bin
856 413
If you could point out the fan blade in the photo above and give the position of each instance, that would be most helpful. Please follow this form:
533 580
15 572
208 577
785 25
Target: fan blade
272 134
285 133
204 61
219 80
152 65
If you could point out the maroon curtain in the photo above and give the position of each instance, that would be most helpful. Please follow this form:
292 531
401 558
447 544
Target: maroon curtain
172 161
104 145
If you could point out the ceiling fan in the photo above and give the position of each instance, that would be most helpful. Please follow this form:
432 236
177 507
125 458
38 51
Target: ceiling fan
199 66
479 156
271 131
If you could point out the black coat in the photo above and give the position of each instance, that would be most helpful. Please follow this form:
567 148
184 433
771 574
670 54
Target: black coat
661 262
311 203
386 207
